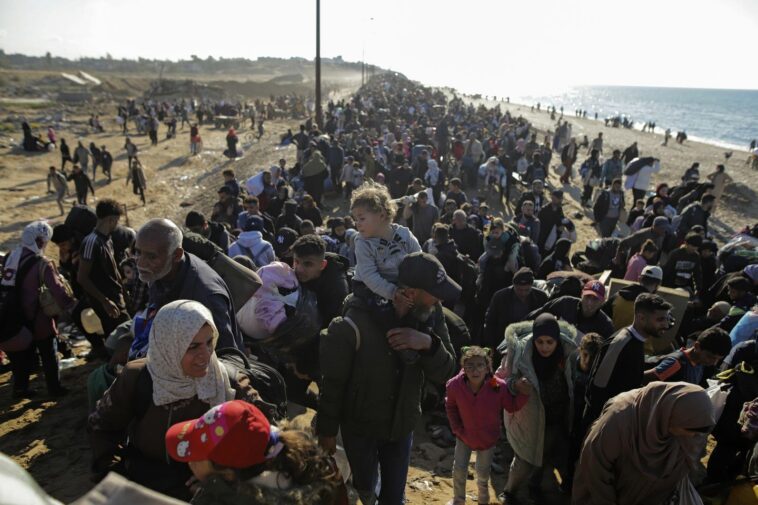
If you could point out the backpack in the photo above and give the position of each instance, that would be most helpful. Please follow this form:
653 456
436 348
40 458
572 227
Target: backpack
12 318
267 381
255 256
468 271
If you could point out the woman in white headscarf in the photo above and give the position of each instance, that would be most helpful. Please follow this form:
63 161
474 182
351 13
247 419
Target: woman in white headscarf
180 379
26 329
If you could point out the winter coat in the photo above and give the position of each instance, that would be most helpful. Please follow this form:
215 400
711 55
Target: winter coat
331 287
366 389
117 418
525 428
475 418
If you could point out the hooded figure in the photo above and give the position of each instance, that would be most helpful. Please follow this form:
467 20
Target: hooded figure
631 456
34 238
250 243
556 261
535 431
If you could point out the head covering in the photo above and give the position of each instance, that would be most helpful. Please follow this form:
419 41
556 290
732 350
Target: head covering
661 406
546 325
652 272
594 288
636 424
252 223
220 433
172 331
423 271
283 240
32 231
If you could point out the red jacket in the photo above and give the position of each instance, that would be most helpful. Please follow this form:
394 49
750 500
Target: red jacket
476 418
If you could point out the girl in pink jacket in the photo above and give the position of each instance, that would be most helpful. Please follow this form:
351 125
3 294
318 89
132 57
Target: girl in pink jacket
474 401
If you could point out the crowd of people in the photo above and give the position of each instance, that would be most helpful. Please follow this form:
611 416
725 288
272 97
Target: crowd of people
416 300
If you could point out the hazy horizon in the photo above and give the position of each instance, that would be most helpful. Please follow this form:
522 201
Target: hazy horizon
479 47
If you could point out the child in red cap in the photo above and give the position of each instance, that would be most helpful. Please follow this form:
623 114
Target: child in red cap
238 457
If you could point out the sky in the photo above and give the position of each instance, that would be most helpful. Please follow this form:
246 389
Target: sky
501 47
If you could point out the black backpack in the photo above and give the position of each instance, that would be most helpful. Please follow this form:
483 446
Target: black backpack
267 381
468 271
11 310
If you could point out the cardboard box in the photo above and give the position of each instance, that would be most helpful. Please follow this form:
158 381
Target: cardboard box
676 297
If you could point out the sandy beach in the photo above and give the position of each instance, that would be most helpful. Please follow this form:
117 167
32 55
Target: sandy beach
48 437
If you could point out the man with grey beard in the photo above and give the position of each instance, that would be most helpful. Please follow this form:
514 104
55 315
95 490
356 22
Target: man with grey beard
174 274
373 366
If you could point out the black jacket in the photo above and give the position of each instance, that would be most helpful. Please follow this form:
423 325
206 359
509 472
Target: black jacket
505 308
603 203
549 218
569 309
219 236
331 287
468 240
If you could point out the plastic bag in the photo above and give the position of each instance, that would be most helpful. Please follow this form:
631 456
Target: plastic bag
254 184
717 392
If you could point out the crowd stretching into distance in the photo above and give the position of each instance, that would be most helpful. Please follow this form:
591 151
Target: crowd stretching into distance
420 299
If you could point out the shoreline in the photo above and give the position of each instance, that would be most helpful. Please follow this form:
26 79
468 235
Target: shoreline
721 144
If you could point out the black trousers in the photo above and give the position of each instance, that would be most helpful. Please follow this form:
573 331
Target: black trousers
638 194
22 364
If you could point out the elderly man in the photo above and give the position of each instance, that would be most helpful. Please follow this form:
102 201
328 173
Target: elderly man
174 274
467 238
373 368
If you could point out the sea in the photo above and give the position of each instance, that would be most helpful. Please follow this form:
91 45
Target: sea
724 117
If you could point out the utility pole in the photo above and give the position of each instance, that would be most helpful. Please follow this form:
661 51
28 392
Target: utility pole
319 113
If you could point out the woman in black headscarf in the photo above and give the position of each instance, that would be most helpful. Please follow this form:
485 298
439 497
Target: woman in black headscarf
540 352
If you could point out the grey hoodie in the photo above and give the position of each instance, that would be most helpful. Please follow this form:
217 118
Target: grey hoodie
252 245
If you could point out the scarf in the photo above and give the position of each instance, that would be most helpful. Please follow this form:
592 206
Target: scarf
172 331
33 231
545 367
657 407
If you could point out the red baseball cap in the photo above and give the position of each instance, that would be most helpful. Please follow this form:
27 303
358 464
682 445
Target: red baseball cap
594 288
234 434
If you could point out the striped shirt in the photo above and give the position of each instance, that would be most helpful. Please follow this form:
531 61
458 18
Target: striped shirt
98 250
